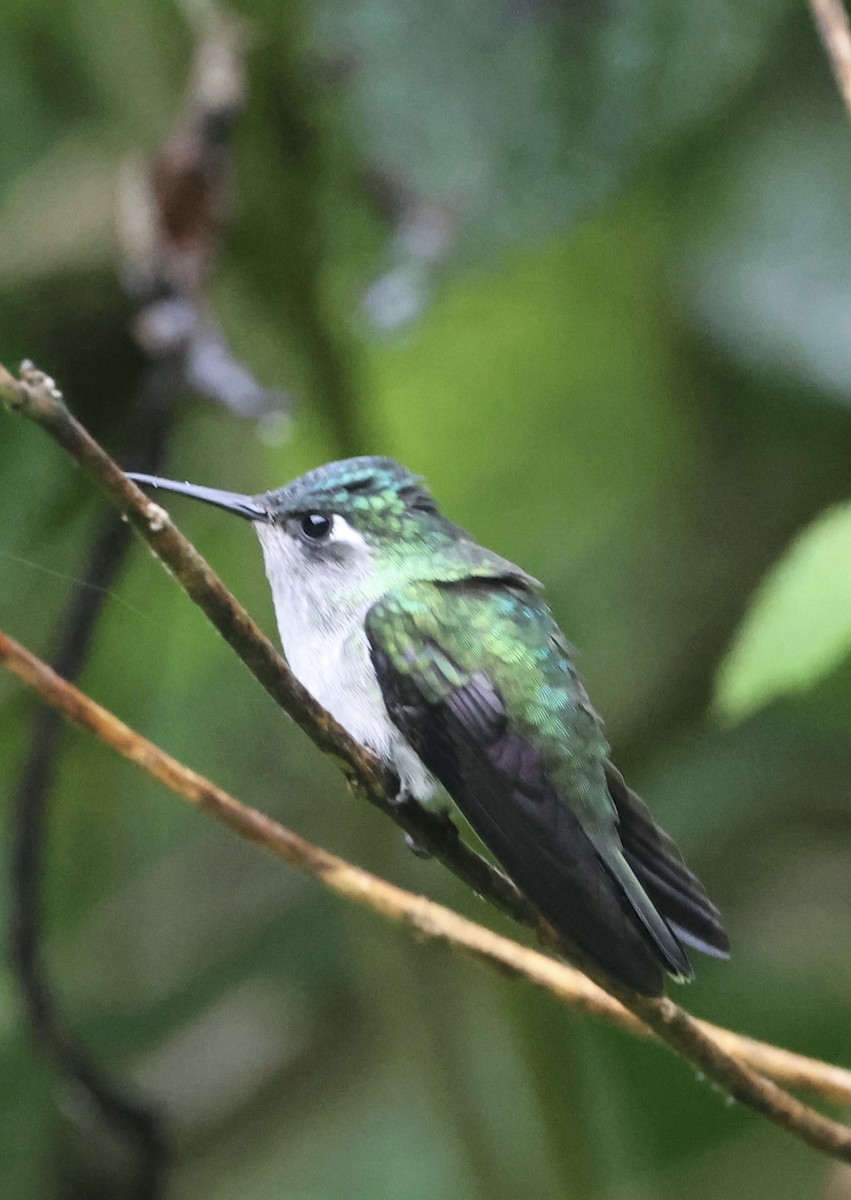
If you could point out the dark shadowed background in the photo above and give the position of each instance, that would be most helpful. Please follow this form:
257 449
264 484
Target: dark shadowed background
587 268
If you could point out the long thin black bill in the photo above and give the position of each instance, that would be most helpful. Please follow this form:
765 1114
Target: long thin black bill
243 506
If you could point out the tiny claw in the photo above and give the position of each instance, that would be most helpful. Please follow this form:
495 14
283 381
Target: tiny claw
402 797
442 818
415 847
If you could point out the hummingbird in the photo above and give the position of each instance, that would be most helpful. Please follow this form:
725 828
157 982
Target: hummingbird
444 659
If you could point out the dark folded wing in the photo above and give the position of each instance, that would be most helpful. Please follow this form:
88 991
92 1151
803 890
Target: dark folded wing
457 721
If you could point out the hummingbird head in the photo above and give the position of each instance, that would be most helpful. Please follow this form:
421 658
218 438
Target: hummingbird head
375 498
352 528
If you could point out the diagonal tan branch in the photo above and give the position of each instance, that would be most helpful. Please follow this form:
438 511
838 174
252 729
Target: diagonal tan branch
428 919
832 24
36 397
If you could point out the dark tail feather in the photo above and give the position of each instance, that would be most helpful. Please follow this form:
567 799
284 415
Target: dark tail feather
687 920
675 891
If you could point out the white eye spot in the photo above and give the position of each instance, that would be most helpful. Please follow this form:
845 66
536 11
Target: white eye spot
343 532
316 529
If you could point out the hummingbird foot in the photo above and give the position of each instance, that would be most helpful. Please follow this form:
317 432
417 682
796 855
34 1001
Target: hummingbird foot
449 831
404 799
416 848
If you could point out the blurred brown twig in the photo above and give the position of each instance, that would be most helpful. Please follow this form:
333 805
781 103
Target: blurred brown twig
832 23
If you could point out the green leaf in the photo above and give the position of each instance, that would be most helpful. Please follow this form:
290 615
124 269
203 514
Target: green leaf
799 625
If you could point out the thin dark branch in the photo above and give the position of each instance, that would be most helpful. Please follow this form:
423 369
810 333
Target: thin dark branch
173 216
132 1117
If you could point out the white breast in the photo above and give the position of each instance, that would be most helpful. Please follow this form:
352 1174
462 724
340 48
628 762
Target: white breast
323 638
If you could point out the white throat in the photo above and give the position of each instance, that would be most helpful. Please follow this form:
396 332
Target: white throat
321 615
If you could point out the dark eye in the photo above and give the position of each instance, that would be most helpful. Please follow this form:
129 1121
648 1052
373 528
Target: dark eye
315 526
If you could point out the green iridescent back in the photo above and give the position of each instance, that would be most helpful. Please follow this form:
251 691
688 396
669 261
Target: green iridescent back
445 634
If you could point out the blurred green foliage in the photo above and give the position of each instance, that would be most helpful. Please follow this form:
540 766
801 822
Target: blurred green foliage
586 268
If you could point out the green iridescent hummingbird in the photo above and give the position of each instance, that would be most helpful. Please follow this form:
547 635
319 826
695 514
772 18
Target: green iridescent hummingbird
444 659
